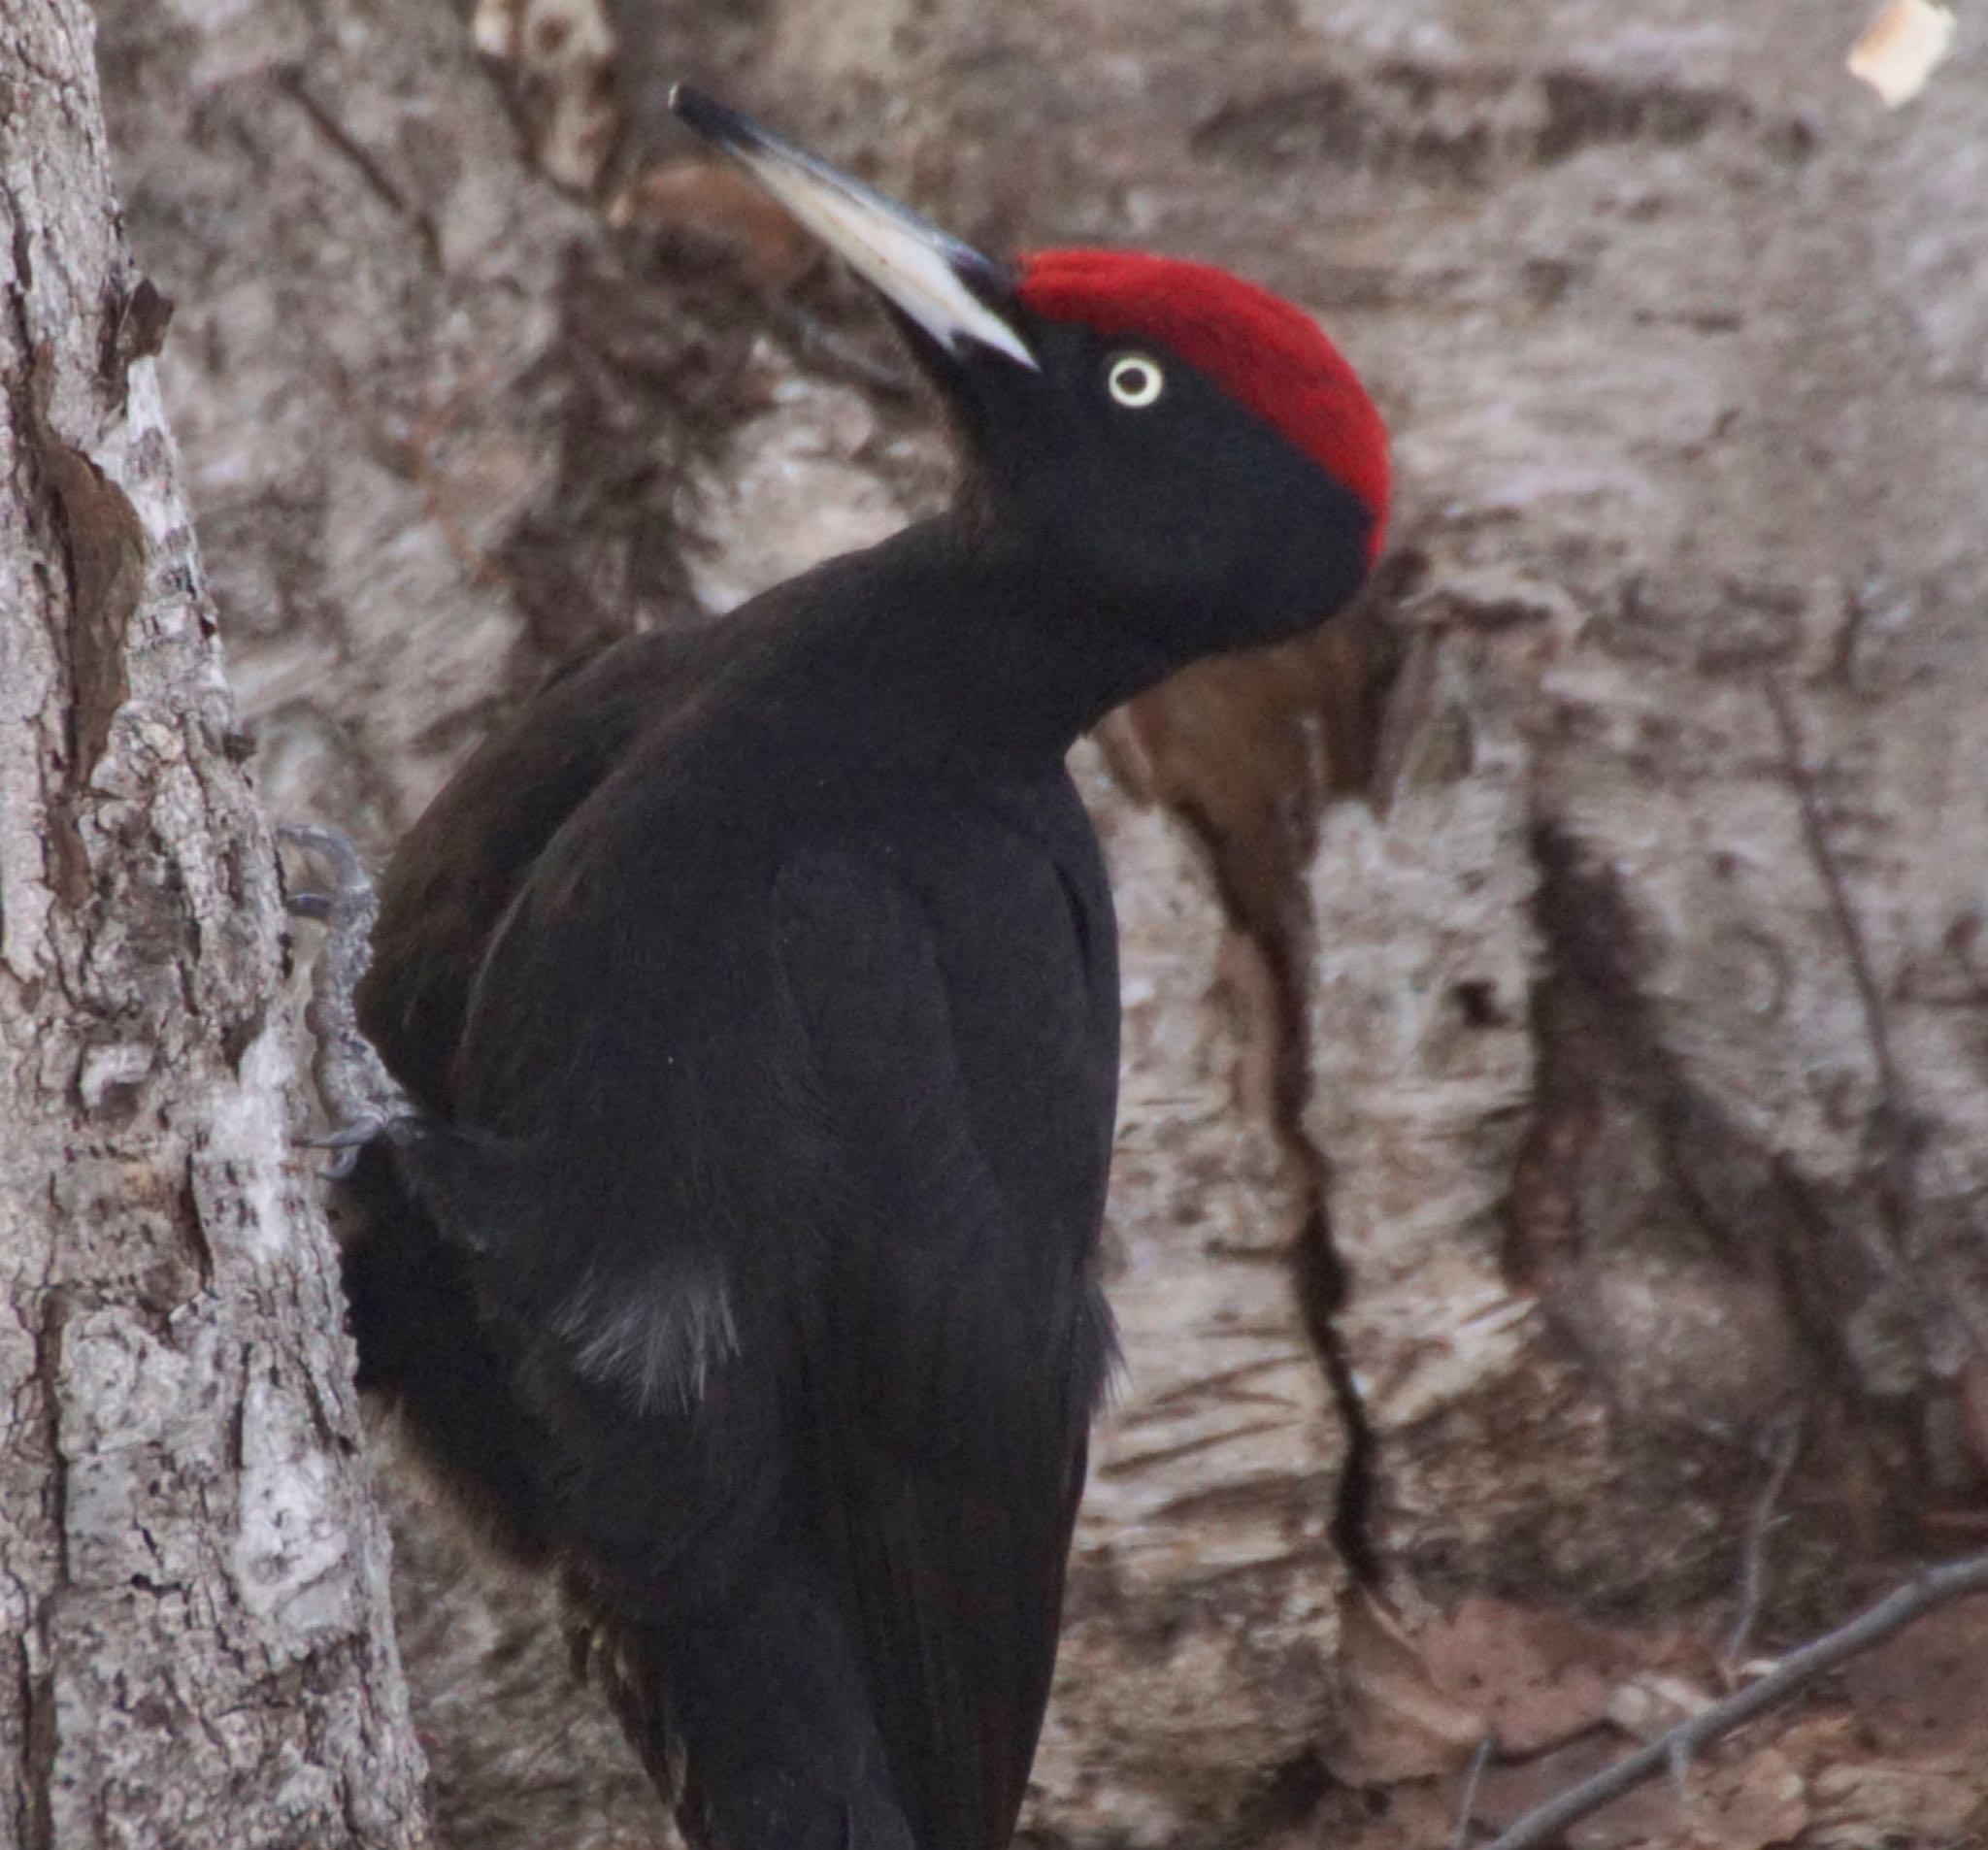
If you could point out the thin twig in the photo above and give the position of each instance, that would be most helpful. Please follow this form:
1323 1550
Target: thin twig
1932 1587
1478 1762
1836 890
289 80
1785 1449
1681 1775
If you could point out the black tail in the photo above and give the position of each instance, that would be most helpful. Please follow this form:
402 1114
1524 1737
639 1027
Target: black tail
757 1723
422 1344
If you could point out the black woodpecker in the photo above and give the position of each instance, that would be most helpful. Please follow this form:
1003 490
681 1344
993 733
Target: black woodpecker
755 993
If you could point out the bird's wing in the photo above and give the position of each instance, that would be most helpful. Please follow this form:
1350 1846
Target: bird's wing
462 862
839 1148
952 1372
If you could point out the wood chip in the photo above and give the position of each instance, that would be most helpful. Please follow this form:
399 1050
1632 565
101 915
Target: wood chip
1902 49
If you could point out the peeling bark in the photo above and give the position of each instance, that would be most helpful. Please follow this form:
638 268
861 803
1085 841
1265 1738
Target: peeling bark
192 1570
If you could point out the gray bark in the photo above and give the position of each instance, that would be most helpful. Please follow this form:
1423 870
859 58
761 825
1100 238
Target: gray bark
1555 1065
193 1573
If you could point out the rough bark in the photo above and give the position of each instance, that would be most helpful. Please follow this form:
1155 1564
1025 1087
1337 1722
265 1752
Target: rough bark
193 1573
1555 1085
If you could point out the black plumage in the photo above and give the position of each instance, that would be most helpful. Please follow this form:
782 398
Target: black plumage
757 989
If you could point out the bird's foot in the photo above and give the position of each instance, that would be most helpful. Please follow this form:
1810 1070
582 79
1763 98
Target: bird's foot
359 1096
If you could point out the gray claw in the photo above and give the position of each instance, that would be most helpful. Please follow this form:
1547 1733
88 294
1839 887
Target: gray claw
359 1094
335 849
349 1136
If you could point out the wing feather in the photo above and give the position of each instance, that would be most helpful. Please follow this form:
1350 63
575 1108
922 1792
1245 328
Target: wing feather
953 1371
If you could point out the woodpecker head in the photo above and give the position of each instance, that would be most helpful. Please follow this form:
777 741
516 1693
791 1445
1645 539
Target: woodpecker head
1186 446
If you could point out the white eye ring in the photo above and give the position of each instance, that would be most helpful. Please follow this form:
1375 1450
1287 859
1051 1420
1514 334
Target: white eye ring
1136 380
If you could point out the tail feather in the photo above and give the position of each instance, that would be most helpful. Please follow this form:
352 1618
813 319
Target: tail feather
755 1724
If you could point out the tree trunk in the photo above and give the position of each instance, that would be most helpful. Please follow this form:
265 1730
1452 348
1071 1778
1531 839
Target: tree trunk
1547 1211
192 1570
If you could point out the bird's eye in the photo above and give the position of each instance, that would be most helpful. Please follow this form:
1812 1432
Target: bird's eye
1136 380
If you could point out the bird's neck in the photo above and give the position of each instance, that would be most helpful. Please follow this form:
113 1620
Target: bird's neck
979 647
